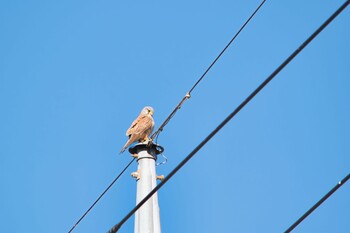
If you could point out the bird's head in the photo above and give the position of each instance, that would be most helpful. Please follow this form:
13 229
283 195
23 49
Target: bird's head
147 111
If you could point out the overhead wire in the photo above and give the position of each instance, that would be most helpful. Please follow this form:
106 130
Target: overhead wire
315 206
104 192
164 161
188 94
116 227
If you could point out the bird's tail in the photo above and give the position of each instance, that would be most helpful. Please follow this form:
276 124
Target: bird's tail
127 144
122 150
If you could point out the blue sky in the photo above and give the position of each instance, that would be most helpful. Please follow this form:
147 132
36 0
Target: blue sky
75 74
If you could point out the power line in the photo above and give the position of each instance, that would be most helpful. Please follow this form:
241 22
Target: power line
101 195
325 197
116 227
188 95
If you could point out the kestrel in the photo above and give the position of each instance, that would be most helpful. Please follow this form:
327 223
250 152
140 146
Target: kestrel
141 128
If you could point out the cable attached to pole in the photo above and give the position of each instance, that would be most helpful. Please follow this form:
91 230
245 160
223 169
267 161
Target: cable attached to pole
188 94
116 227
314 207
101 195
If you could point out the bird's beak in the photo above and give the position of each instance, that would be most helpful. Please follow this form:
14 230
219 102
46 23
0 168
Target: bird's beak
151 113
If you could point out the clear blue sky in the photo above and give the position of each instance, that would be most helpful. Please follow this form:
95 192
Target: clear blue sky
74 74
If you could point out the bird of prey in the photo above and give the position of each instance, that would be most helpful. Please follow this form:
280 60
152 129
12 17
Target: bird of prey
141 128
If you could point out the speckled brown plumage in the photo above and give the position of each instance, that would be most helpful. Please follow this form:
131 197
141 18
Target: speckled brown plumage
141 128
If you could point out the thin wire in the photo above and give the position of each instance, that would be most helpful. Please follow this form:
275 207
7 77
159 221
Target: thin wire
325 197
239 31
101 195
164 162
188 94
229 117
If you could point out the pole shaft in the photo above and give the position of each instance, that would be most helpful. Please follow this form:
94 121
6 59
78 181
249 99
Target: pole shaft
147 219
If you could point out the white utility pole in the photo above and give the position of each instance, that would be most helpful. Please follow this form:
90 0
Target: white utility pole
147 218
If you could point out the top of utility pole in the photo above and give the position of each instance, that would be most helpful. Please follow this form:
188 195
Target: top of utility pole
150 147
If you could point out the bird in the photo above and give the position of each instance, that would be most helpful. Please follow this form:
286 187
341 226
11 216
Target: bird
140 128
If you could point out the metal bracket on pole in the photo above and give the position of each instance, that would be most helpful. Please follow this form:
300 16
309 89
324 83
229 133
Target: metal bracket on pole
136 174
149 147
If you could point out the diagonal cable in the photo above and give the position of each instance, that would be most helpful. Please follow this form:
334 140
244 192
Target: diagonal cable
314 207
116 227
188 95
104 192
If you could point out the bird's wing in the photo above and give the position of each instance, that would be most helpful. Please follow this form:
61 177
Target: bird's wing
144 124
140 125
133 126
